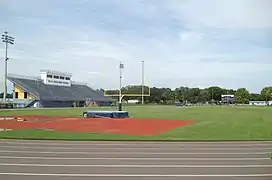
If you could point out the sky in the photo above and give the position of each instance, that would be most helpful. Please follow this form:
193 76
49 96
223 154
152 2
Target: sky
193 43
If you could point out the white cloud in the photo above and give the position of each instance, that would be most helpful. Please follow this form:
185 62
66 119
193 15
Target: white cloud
182 42
223 14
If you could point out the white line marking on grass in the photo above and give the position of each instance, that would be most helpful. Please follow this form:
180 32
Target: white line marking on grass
136 159
135 153
138 148
135 166
138 175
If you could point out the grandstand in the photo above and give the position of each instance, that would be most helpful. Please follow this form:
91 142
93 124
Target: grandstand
55 89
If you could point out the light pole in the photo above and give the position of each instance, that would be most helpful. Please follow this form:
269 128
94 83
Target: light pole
7 40
142 82
121 66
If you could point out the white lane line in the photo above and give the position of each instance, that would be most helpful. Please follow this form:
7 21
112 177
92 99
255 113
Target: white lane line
138 175
147 142
139 148
150 144
166 159
135 153
136 165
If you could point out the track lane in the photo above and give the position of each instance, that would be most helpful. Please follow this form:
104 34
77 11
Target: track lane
138 149
159 161
45 177
136 144
138 170
80 154
134 160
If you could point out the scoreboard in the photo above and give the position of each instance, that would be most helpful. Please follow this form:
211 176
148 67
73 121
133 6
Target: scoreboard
228 98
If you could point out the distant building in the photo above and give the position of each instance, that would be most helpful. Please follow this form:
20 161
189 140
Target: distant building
260 103
55 89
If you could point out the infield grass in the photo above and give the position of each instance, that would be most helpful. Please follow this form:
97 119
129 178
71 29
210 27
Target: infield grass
211 123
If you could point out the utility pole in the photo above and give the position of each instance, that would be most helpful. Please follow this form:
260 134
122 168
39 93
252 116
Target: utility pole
142 82
212 97
212 94
7 40
266 96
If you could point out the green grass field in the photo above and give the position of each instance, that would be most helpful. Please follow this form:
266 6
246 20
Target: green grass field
211 123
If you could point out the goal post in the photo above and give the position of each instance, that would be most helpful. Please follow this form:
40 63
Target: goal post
128 92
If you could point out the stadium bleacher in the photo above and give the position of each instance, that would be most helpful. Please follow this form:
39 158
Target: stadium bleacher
60 96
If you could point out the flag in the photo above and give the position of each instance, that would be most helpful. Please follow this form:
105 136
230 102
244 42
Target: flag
121 65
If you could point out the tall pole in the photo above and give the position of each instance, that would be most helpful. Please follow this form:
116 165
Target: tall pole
266 97
120 83
142 82
7 40
212 94
6 71
121 66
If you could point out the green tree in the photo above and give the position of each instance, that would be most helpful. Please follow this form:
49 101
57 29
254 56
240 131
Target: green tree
155 95
193 95
168 95
255 97
230 91
204 95
184 91
242 96
216 92
9 96
177 95
266 93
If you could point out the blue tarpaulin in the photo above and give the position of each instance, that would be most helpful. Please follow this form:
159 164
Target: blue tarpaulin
110 114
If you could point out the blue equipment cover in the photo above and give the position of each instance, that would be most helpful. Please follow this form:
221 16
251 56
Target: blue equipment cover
109 114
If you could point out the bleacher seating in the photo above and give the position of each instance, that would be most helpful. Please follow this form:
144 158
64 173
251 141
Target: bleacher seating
46 92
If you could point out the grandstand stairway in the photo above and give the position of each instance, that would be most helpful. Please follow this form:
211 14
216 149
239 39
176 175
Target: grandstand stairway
31 104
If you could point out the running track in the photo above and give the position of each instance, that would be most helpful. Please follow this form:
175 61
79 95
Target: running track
58 160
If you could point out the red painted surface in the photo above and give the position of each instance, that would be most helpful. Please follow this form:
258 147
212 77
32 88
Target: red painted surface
129 126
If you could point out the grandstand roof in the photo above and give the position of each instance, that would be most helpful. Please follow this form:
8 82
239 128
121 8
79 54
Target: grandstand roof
75 92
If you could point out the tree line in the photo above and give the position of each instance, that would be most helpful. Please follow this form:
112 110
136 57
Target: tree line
193 95
187 94
9 96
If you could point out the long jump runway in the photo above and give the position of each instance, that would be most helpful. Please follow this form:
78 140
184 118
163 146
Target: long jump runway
60 160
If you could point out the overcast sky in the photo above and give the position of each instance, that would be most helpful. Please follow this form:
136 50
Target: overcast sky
183 42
